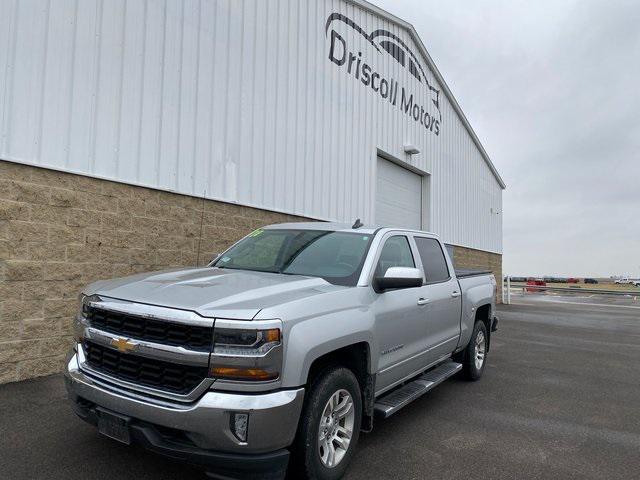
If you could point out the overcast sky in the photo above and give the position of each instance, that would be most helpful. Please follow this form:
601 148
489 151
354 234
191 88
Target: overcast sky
552 88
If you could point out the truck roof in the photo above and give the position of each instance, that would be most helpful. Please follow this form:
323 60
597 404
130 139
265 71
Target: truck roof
338 227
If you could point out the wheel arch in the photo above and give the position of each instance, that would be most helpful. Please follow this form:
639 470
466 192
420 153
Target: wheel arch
357 358
483 314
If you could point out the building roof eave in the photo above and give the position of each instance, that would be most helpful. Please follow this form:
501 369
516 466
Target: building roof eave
416 38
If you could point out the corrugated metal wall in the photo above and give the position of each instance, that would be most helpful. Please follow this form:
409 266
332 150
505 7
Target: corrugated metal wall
233 99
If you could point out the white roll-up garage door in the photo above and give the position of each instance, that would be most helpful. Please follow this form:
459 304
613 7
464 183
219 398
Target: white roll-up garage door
398 196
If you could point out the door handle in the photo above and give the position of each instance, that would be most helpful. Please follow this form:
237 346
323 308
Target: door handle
455 294
423 301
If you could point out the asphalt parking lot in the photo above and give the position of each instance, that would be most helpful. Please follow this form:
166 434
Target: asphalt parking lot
560 399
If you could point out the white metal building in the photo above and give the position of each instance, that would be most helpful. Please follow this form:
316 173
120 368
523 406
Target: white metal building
116 114
301 107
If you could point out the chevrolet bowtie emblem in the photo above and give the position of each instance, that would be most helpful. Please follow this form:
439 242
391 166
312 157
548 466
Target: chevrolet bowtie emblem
123 345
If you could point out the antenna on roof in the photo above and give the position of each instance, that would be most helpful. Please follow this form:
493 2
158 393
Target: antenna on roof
357 224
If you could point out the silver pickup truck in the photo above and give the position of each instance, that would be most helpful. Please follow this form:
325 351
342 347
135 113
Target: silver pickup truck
281 351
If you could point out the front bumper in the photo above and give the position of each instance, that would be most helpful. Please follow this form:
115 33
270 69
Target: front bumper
203 427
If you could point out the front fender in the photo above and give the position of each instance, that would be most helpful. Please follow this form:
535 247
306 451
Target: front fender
314 337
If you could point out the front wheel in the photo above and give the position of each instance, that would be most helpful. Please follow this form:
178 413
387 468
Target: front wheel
329 426
475 356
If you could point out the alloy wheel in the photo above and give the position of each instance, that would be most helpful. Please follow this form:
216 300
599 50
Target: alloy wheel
479 350
336 428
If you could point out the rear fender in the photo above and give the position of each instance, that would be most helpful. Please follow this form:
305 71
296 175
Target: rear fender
477 292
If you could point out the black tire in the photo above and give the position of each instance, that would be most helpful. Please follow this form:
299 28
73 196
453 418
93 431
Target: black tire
306 457
470 369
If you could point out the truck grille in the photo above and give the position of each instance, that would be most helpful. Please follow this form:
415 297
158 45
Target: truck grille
144 371
190 336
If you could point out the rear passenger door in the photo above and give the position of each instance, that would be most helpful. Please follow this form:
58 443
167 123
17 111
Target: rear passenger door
441 289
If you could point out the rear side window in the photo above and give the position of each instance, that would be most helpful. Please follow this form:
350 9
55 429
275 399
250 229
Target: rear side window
395 253
433 261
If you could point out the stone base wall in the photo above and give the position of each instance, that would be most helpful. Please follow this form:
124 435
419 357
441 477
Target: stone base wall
59 232
469 258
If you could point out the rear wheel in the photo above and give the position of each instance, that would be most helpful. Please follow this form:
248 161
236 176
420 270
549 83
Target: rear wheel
475 355
329 426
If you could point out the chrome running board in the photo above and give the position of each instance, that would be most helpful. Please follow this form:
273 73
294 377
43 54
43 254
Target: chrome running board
393 401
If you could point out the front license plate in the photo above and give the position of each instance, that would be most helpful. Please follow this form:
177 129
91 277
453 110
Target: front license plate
114 426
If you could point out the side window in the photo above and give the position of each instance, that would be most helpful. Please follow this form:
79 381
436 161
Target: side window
433 261
451 252
395 253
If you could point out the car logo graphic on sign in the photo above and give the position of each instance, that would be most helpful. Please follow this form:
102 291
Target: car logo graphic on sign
414 94
123 345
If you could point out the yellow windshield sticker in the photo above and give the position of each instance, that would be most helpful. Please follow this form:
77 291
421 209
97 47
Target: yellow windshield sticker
257 232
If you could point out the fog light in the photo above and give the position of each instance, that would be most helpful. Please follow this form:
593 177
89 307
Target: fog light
240 425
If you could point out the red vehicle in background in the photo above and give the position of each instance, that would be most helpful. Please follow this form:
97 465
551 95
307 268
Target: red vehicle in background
573 280
533 283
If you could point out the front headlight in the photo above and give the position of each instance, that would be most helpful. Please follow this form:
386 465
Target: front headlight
246 351
228 341
84 302
79 321
81 304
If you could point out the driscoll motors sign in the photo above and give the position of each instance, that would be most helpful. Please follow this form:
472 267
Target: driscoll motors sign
389 89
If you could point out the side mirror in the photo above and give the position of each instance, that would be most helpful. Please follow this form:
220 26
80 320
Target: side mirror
398 277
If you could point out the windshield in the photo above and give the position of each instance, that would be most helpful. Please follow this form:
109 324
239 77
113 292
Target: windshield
335 256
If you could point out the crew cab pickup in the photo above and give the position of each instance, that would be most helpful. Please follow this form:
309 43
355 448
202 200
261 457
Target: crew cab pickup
281 351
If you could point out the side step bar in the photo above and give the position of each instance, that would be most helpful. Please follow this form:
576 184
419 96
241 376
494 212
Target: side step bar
390 403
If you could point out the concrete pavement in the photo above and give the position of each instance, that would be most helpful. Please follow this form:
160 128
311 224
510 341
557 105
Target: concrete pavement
560 398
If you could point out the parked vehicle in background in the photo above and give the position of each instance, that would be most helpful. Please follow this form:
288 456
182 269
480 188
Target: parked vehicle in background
532 284
292 339
622 281
519 279
554 280
590 280
636 283
573 280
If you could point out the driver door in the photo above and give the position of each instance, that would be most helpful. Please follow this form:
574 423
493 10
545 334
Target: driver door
399 319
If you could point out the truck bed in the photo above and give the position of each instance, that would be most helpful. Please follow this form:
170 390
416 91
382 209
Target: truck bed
462 273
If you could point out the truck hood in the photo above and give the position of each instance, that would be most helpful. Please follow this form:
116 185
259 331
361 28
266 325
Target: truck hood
213 292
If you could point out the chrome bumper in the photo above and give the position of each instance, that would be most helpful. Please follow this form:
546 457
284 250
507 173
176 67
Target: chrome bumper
273 417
